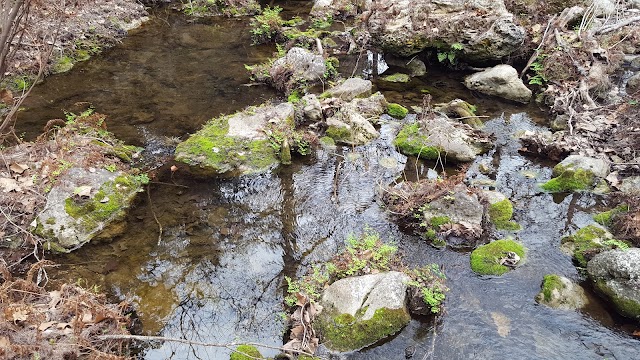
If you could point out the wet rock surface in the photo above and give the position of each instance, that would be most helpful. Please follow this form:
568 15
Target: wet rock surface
616 275
500 80
559 292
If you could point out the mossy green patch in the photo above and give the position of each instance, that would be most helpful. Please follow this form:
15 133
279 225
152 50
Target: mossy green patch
626 307
411 142
397 111
485 260
550 283
338 133
569 180
587 242
500 214
344 332
109 203
327 141
397 78
245 352
63 64
211 151
605 218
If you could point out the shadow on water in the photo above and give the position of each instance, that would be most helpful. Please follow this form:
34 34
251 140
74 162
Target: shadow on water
216 272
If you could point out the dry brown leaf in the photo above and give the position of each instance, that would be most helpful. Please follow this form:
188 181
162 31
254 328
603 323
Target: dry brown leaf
297 332
87 317
4 342
20 315
636 333
63 325
302 299
55 296
45 325
18 168
100 317
8 184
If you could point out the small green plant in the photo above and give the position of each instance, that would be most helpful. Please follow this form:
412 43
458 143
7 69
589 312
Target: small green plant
429 280
22 84
267 26
322 23
616 244
450 55
538 68
111 168
142 179
331 65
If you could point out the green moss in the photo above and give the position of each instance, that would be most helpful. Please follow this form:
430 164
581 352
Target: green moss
82 55
397 78
344 332
549 283
63 64
410 142
242 351
125 152
338 133
624 306
605 218
109 202
327 141
54 247
397 111
500 214
438 221
213 152
485 260
587 242
569 180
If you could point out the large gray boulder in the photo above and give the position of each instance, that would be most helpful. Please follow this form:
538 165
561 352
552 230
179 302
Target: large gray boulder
238 143
359 311
502 81
616 276
438 136
598 167
406 27
350 89
299 67
84 206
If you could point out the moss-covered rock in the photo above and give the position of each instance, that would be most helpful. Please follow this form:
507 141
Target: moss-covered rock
559 292
76 214
500 214
245 352
236 143
615 275
440 137
397 111
587 242
486 259
576 173
605 218
396 78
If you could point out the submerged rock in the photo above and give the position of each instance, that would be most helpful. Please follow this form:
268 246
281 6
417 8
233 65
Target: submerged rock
406 28
616 276
85 206
577 172
414 66
440 137
502 81
237 143
559 292
359 311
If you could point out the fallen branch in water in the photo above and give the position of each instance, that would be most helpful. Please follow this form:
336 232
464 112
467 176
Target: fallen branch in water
198 343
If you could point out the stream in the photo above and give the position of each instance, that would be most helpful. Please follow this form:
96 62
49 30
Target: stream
216 274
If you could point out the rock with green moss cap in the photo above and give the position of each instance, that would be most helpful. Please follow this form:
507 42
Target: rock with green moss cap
497 257
587 242
559 292
245 352
439 137
396 78
397 111
360 311
236 144
349 126
616 275
576 173
500 211
85 206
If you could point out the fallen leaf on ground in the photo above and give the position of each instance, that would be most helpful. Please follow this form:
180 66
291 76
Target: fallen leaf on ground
20 315
18 168
8 184
44 326
4 342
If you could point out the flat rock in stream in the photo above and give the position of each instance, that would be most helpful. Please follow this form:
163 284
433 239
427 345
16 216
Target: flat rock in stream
558 292
616 276
236 144
85 206
359 311
502 81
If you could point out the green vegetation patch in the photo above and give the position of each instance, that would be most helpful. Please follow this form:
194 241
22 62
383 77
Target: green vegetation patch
397 78
605 218
429 281
339 133
589 241
63 64
550 283
500 214
411 142
245 352
397 111
345 332
485 260
211 151
569 180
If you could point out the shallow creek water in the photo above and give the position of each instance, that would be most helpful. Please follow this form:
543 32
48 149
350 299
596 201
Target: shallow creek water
216 272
